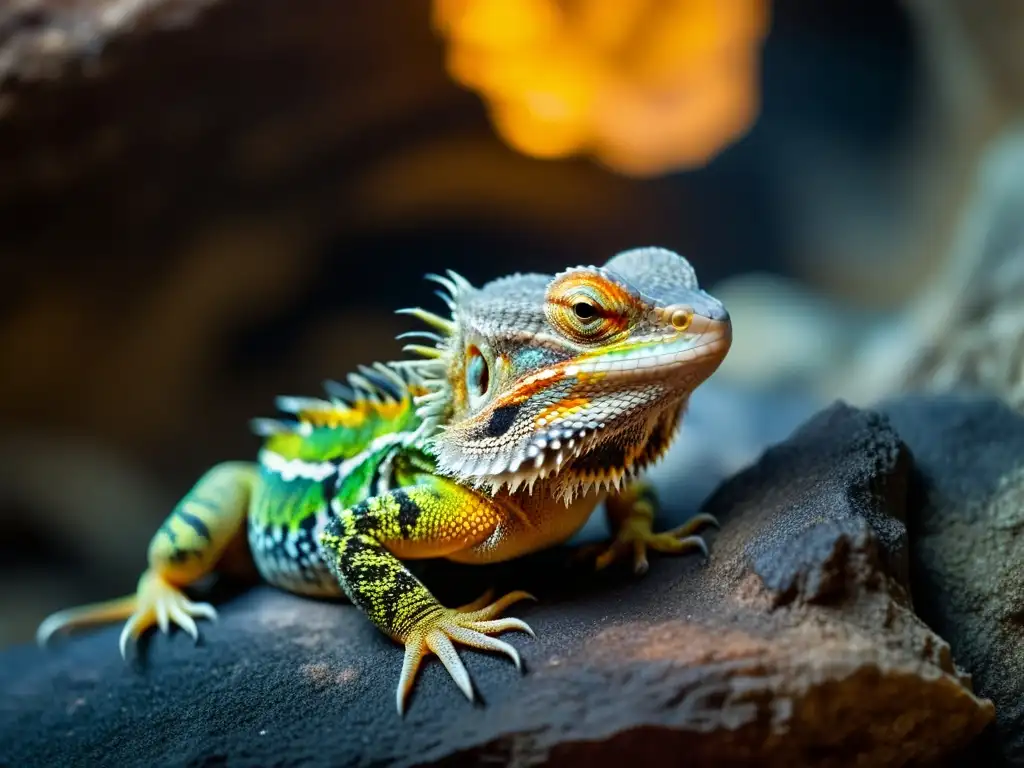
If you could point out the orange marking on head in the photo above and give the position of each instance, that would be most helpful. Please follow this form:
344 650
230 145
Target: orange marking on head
543 379
609 307
534 384
607 288
561 409
458 390
530 386
584 377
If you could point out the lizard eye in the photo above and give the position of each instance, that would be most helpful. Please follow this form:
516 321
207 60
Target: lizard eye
478 373
584 310
585 307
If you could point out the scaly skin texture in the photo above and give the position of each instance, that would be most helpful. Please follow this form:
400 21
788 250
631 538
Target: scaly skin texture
539 398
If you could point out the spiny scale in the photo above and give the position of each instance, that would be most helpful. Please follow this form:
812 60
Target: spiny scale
430 373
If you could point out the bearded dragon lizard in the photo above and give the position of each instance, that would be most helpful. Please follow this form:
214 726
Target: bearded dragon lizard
536 400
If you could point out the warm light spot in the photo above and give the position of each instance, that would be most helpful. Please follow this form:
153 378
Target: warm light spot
644 86
498 24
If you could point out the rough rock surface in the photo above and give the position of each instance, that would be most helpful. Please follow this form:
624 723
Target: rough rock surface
825 665
966 517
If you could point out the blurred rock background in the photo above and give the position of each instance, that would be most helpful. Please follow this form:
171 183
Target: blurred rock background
205 203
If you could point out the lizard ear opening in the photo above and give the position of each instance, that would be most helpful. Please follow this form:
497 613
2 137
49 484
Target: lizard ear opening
478 375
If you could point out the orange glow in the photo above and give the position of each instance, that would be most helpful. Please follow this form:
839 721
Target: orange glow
643 86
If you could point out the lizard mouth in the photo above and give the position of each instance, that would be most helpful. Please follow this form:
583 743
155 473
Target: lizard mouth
573 466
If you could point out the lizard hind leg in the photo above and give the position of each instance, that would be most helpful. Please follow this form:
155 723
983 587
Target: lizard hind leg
184 549
432 518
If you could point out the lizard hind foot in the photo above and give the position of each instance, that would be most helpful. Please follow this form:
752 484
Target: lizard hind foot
160 603
84 616
470 625
155 601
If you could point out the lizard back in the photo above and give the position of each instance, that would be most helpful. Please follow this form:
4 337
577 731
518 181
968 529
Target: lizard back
320 457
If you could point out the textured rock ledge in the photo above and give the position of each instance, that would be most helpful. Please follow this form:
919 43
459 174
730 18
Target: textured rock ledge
795 643
966 514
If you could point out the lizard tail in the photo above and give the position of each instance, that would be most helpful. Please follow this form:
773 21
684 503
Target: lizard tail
86 615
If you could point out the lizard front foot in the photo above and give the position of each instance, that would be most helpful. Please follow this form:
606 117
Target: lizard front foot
470 625
636 536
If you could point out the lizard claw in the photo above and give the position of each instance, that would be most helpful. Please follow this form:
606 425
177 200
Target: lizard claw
471 625
636 539
158 602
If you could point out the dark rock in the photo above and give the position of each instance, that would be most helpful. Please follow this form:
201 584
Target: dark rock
695 659
966 520
727 426
835 487
817 564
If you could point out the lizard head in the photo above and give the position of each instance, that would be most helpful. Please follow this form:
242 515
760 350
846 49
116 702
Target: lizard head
574 381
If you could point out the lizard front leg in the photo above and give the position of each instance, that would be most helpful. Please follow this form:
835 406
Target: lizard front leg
184 549
431 517
631 516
